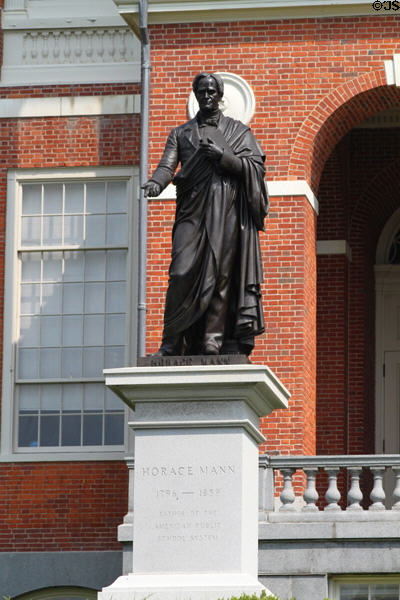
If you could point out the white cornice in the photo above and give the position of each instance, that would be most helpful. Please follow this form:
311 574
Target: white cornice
184 11
296 187
53 14
69 106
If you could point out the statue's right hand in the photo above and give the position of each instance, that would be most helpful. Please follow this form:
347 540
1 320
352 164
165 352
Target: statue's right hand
151 189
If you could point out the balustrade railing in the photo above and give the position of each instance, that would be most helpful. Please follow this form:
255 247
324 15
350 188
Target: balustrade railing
348 496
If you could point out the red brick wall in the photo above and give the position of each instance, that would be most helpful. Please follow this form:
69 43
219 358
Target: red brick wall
301 72
62 506
313 80
288 345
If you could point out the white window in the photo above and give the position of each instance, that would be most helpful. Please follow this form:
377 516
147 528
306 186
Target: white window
67 310
365 588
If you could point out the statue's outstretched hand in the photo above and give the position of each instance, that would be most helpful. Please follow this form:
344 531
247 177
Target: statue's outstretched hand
151 189
211 150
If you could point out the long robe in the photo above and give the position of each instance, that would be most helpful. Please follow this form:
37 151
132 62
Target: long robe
210 197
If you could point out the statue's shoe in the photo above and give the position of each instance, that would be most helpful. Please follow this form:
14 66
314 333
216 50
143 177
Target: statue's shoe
161 352
209 350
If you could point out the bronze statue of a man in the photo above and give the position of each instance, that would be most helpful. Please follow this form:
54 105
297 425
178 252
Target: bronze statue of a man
213 302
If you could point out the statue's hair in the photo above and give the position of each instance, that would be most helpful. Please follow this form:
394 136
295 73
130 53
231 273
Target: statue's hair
217 79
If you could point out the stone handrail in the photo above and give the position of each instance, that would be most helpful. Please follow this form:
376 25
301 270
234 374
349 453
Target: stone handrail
310 465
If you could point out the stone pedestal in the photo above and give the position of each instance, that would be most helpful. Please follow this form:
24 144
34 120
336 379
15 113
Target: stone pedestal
195 529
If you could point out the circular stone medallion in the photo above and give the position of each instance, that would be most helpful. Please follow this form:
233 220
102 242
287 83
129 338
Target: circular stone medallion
238 101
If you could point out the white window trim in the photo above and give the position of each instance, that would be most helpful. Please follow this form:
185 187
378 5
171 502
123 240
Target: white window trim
334 583
10 320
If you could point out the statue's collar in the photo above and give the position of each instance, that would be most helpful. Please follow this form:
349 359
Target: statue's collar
210 119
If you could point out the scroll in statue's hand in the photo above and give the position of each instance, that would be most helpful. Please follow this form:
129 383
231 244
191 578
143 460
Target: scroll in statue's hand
151 189
211 150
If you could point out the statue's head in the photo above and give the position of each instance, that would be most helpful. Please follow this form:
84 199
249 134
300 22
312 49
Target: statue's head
209 90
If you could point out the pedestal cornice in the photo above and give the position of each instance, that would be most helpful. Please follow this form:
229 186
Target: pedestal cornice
254 384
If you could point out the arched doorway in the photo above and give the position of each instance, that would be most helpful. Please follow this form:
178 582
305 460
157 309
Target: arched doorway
357 407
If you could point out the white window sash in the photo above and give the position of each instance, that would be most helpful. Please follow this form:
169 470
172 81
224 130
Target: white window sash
8 449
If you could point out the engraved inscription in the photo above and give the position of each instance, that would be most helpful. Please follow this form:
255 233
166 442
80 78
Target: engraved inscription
189 361
188 500
186 470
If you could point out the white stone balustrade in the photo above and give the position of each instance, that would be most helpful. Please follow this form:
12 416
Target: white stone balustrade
384 469
70 55
287 466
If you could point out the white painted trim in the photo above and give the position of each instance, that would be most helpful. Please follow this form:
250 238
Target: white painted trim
389 72
14 178
60 13
69 106
17 75
184 11
298 187
396 68
392 70
334 247
168 194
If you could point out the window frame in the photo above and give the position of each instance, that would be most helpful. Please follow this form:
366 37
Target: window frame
15 178
336 581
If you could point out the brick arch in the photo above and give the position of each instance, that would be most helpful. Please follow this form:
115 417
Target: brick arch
333 117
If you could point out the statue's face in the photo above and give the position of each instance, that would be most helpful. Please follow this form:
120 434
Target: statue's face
207 95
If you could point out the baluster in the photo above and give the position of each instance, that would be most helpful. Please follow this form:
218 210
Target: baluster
310 494
354 495
25 40
122 47
111 48
100 51
34 52
287 495
78 45
67 47
332 495
89 47
45 46
378 494
56 51
396 491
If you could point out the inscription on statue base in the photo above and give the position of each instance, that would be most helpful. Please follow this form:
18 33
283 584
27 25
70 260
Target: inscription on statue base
193 361
187 506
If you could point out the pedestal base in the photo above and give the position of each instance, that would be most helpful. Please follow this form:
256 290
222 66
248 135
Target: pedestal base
196 478
196 586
